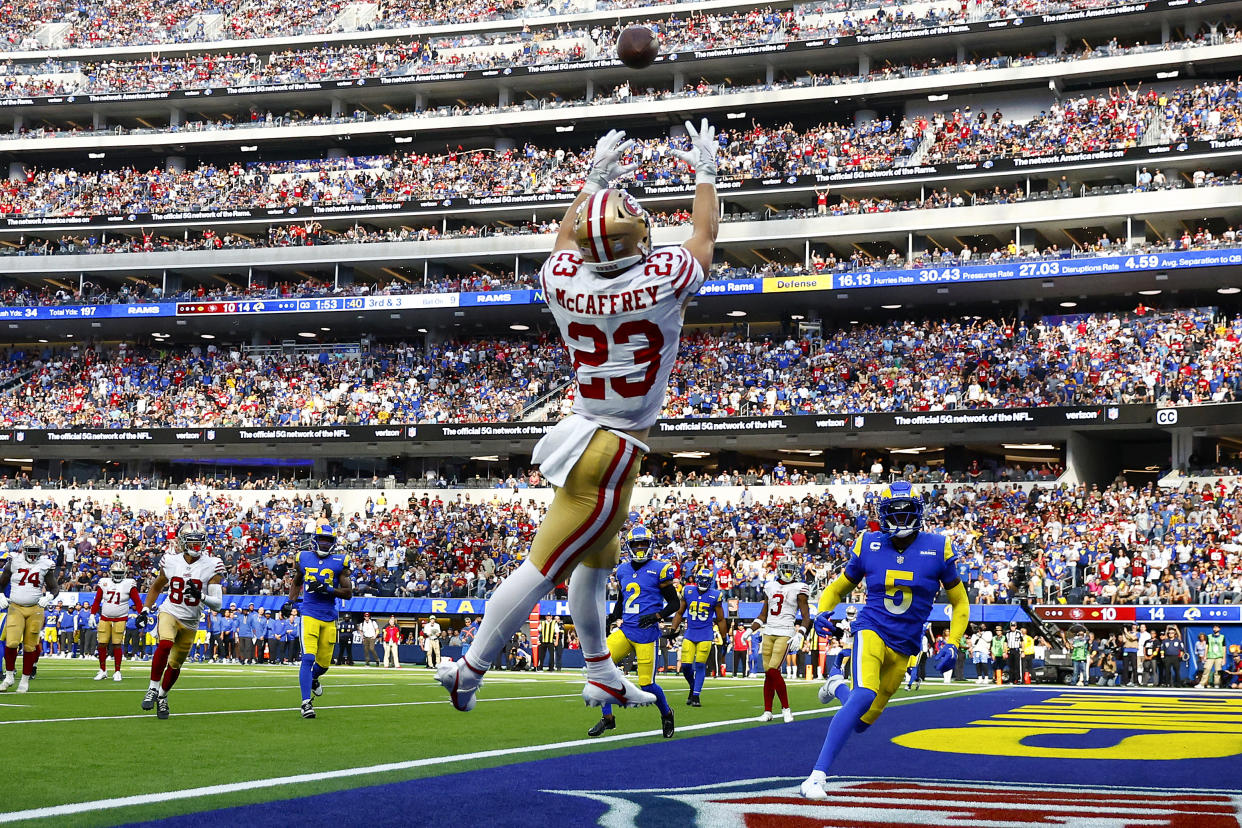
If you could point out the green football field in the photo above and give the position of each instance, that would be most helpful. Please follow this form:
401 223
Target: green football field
236 731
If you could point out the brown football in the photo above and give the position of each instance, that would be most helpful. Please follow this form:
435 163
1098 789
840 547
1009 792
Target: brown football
637 47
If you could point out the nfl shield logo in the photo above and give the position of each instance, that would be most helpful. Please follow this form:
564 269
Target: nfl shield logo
859 420
1114 413
881 803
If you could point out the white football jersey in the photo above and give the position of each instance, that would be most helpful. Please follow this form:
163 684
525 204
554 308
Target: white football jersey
114 598
622 332
27 580
179 572
783 606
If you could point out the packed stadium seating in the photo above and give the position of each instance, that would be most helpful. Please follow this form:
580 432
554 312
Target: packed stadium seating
1182 357
1096 545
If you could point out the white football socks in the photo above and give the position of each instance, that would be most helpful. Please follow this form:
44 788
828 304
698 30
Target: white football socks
508 607
588 589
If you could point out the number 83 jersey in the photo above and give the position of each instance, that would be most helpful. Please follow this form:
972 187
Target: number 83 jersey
622 331
181 573
901 586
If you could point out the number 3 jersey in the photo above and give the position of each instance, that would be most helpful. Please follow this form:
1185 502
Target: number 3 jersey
26 580
181 573
901 585
783 606
622 331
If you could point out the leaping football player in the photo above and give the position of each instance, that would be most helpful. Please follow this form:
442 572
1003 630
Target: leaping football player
702 608
193 577
647 597
903 568
787 597
619 305
113 596
320 577
30 577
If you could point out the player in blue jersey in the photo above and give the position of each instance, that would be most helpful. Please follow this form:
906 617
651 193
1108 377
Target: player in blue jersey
702 609
319 579
903 568
648 596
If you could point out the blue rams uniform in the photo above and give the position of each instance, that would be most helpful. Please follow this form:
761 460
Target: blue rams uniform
319 612
700 617
901 587
640 595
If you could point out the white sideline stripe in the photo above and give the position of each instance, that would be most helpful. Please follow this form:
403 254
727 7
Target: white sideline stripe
137 685
278 781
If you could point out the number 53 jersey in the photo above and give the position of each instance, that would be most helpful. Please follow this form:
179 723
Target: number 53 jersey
180 573
622 331
901 585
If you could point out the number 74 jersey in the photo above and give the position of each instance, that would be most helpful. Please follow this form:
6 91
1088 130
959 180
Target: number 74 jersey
622 332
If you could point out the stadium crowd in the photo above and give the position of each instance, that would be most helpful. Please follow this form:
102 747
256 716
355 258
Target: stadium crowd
249 71
1113 545
1088 122
1177 357
176 21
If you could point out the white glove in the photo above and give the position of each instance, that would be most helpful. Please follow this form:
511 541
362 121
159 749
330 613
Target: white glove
46 600
702 153
606 165
4 602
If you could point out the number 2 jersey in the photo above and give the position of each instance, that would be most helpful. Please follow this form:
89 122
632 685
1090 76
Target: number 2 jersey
26 580
112 599
320 570
622 332
901 586
700 612
640 595
783 606
181 573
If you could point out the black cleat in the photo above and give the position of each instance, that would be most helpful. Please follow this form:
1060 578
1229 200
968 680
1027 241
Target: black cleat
161 707
690 699
317 689
308 709
605 723
694 702
148 701
666 724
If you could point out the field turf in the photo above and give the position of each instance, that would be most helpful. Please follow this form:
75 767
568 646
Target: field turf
388 750
237 724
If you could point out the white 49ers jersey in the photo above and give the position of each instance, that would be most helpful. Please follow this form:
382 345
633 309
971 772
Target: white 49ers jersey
622 332
180 574
783 606
115 597
27 580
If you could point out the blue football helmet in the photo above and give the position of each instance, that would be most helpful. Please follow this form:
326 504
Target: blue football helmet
705 576
638 544
901 510
324 539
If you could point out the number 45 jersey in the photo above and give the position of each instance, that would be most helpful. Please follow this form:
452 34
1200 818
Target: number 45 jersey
901 586
622 331
181 572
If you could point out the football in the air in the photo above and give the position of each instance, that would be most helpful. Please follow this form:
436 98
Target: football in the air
637 47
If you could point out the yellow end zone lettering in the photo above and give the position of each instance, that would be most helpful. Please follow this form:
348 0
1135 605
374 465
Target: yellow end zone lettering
1202 729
